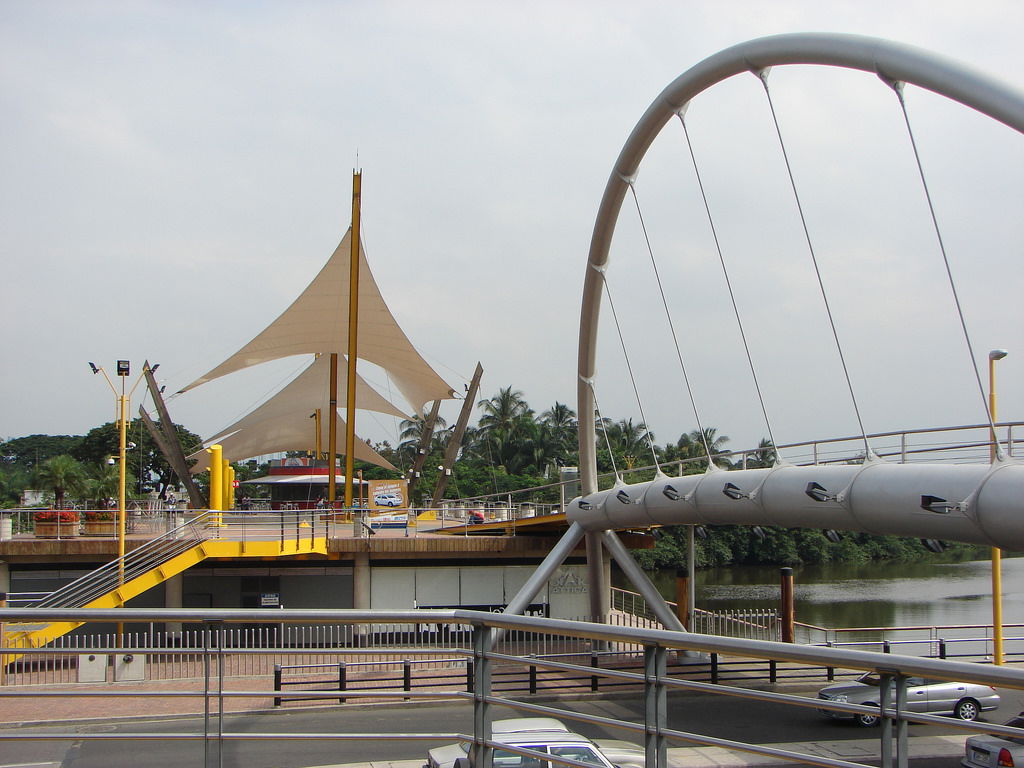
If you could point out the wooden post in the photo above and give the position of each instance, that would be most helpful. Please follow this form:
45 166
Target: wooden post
456 439
683 597
787 608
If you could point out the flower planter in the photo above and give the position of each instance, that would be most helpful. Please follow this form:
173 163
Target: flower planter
56 530
99 528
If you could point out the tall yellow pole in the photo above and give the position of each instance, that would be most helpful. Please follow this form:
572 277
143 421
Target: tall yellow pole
997 554
332 432
122 492
353 337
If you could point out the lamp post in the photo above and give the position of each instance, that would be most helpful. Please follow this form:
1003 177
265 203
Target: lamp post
997 555
123 372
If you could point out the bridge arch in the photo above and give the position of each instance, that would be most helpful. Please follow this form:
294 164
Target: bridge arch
893 62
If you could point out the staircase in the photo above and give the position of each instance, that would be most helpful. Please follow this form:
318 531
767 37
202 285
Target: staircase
211 534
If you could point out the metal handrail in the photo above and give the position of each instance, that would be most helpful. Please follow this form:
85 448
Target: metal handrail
652 644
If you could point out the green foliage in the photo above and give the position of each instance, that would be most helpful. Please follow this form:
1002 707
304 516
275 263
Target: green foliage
26 453
145 461
63 475
740 545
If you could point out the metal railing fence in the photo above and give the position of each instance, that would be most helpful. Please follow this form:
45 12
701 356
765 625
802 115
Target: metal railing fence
494 641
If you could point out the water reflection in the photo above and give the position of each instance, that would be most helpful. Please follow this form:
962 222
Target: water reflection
862 595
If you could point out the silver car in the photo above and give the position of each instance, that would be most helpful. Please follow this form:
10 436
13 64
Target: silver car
548 735
990 751
963 700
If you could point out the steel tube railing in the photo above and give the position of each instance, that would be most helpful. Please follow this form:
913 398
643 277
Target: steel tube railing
655 681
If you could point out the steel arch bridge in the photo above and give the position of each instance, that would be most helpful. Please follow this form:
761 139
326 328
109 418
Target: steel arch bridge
980 503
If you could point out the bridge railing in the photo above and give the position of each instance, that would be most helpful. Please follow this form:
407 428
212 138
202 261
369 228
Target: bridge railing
491 643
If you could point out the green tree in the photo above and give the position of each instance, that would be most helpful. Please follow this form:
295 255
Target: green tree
103 482
26 453
145 460
62 475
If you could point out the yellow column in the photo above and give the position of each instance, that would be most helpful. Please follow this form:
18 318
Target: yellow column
225 488
216 481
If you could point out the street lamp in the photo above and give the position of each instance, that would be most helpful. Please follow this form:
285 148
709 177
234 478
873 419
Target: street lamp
997 555
123 372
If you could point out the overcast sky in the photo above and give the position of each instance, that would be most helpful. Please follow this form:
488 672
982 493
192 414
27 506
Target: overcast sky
175 173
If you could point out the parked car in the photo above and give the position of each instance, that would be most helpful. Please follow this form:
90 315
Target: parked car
963 700
987 750
387 500
548 735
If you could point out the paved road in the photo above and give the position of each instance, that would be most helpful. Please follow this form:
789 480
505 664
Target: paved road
718 716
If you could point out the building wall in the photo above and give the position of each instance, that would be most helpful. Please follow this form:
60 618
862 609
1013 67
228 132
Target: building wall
482 587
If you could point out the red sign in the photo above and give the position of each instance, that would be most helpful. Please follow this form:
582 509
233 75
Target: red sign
234 483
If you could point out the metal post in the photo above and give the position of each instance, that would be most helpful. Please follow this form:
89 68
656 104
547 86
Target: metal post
902 747
481 755
885 700
277 684
342 680
655 710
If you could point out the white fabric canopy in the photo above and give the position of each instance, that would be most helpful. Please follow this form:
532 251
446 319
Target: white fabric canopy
307 392
317 322
288 432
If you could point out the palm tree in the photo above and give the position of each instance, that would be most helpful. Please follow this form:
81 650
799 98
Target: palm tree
560 431
412 433
104 482
504 411
62 475
628 439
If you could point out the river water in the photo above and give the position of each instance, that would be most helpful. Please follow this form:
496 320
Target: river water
866 595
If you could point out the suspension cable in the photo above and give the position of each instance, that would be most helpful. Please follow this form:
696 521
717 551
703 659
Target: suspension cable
897 87
763 76
728 283
671 324
629 369
604 430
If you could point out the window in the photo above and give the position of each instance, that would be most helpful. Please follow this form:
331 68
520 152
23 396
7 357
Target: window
580 752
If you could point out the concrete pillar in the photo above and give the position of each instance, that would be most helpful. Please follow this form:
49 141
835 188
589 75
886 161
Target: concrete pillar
361 595
5 577
172 599
361 581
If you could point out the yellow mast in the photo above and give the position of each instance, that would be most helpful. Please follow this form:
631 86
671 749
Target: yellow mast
332 432
353 336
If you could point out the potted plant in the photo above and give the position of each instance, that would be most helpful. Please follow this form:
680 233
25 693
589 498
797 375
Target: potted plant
55 523
99 522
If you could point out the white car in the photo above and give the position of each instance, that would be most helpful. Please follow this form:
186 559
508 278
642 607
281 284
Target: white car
548 735
963 700
987 750
387 500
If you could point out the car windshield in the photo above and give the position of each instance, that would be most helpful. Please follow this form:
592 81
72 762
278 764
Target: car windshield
582 753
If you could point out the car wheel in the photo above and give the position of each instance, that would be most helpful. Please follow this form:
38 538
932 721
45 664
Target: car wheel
866 720
967 709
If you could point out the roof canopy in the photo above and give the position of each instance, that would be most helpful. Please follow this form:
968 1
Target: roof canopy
317 323
306 393
291 431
